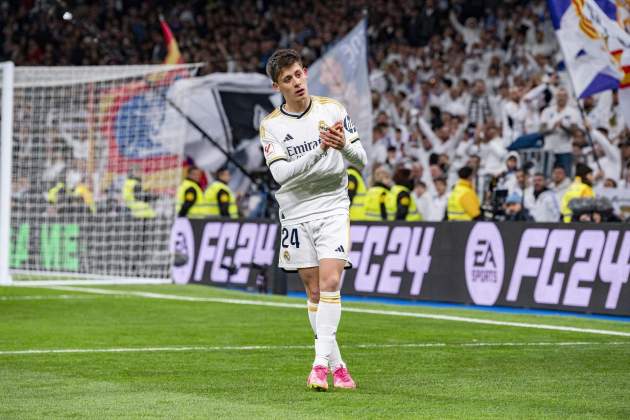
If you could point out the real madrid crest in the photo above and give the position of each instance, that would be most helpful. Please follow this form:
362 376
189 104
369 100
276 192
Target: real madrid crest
286 255
322 125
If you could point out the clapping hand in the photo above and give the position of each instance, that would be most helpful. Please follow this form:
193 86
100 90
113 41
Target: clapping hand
333 137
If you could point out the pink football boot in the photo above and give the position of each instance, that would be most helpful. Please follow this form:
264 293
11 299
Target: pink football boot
342 379
318 379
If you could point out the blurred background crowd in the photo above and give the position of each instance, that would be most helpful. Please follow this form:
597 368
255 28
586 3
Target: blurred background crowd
455 83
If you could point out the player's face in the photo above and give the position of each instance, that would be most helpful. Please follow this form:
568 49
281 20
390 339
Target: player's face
292 83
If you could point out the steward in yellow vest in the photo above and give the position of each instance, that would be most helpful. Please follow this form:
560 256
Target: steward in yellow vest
356 193
580 188
80 197
136 199
219 197
377 203
463 203
190 200
402 203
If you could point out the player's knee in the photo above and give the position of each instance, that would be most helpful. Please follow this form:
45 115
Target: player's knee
313 295
329 283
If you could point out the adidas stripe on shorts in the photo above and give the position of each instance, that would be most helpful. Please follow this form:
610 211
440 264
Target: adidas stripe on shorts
302 245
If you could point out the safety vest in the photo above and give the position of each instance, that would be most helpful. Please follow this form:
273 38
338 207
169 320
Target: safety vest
412 214
577 189
82 191
53 193
139 209
376 197
357 206
199 208
454 208
212 200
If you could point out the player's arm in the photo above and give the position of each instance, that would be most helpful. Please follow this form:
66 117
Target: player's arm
344 137
281 169
355 153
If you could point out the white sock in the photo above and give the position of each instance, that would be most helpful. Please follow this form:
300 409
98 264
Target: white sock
312 315
328 315
335 357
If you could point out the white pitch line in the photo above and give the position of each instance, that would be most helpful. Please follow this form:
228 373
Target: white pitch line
150 295
50 297
300 347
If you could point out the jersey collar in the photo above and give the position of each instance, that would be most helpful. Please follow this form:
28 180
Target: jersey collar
297 116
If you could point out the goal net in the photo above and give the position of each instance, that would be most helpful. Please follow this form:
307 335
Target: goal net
96 157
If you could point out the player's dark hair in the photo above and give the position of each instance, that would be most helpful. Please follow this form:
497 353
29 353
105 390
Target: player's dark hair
279 60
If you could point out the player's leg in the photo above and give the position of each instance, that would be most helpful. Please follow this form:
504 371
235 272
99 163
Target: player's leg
329 311
332 244
297 253
310 278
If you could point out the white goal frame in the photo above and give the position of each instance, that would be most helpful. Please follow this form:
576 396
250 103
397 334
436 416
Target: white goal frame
10 75
6 154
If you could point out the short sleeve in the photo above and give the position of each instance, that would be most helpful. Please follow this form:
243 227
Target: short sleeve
272 148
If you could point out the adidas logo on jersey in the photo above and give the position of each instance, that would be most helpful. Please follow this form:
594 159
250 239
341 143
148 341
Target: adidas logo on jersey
289 137
340 249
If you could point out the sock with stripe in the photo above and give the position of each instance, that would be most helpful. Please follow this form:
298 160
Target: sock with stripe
328 316
335 357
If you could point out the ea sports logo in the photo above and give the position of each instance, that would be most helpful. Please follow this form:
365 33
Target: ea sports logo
182 246
484 263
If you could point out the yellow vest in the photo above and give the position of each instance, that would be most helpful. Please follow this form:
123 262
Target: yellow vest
53 193
80 190
454 208
375 197
357 206
212 200
139 209
577 189
85 193
412 214
199 209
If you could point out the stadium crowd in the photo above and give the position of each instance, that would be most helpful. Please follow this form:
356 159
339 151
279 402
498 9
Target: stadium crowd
455 83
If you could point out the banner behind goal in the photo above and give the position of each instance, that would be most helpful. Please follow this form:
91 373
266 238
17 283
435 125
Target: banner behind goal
96 156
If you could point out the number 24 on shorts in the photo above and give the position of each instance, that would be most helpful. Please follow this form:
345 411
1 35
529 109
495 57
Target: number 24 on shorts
293 240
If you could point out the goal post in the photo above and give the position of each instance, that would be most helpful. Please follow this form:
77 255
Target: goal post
6 141
91 161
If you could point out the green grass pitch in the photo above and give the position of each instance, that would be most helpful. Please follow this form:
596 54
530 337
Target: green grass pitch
208 357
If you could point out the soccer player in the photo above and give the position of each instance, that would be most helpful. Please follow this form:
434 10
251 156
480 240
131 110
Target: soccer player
305 142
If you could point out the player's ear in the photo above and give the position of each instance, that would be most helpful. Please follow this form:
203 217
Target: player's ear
275 86
305 70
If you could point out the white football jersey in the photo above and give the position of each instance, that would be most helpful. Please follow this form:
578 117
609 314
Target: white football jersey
321 191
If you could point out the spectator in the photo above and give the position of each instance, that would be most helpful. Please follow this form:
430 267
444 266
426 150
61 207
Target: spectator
479 107
514 210
560 182
559 122
439 201
541 202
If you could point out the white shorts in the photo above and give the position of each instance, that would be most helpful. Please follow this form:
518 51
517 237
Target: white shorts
302 245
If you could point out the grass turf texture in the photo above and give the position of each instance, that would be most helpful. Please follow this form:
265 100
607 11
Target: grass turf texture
450 381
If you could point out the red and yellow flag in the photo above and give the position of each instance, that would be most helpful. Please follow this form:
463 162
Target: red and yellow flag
173 56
